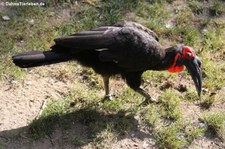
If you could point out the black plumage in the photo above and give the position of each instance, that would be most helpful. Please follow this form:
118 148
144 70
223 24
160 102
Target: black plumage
126 48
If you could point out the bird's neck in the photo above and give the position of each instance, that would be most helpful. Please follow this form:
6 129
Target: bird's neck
169 59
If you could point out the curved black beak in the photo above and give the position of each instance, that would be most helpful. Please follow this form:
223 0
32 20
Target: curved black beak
194 68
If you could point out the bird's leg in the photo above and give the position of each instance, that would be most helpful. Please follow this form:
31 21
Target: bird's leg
148 98
108 96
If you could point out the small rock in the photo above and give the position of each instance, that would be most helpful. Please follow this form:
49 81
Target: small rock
132 135
14 82
177 11
205 90
6 18
201 125
28 83
204 30
169 24
145 144
31 21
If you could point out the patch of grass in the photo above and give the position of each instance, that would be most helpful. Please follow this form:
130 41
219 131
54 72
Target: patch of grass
170 137
103 128
94 80
216 124
78 141
157 77
213 39
196 7
86 17
16 74
101 118
213 80
207 101
188 34
176 135
170 102
59 2
100 124
154 16
130 96
214 8
217 8
105 138
159 1
50 118
82 97
193 133
191 95
184 16
113 11
112 106
19 34
152 116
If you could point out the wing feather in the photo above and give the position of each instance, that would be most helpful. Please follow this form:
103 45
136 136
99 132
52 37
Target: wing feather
87 40
129 45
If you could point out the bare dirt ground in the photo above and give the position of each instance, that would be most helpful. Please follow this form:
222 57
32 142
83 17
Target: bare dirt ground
21 102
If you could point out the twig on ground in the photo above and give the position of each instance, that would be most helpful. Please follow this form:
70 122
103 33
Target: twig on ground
43 105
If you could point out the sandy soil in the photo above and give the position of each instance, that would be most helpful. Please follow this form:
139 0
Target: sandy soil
21 102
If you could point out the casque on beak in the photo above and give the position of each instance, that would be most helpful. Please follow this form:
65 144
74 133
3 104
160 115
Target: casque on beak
194 68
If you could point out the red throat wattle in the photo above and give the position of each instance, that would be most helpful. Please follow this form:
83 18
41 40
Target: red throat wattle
173 68
187 53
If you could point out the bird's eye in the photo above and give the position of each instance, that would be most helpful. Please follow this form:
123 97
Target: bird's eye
188 54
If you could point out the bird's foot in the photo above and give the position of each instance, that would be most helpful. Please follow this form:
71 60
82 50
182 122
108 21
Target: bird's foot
148 101
108 97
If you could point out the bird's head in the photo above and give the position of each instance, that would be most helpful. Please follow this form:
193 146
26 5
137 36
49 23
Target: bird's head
185 56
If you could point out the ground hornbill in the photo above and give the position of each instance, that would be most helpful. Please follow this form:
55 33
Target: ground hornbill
126 48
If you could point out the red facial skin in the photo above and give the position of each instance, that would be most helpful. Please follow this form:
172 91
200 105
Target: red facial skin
187 53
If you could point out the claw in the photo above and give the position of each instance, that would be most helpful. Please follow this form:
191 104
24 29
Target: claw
108 97
148 101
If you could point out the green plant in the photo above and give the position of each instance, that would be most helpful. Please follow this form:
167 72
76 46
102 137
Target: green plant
49 119
196 7
193 133
169 137
170 103
216 124
217 8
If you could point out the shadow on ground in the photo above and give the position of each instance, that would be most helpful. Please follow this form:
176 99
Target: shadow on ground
83 127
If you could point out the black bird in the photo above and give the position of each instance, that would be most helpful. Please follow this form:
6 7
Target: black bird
126 48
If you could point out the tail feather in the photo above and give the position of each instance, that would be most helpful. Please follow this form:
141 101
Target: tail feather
39 58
